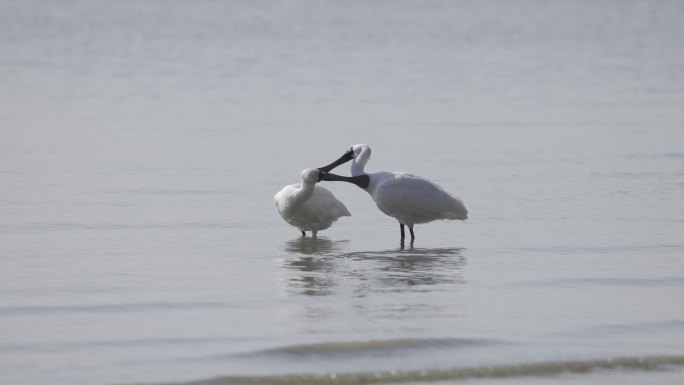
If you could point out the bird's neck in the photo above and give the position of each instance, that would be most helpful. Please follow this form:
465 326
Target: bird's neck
305 192
357 167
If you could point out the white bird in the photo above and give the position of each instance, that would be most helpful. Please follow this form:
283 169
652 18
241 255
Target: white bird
408 198
309 207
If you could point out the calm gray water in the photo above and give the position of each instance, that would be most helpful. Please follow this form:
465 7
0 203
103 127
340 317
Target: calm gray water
141 143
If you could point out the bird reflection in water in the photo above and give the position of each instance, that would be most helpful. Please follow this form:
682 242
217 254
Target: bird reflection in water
414 269
314 246
322 268
315 264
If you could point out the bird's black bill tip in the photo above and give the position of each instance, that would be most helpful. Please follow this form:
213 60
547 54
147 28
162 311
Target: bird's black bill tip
343 159
322 175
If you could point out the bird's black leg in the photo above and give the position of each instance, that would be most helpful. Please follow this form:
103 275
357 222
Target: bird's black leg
401 228
303 234
412 236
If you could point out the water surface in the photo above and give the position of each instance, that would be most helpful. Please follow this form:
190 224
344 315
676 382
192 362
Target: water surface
141 144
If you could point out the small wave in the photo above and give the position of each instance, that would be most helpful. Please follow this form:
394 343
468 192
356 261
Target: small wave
541 369
620 330
652 156
356 348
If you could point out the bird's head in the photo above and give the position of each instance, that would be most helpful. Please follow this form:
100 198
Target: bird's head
360 151
310 175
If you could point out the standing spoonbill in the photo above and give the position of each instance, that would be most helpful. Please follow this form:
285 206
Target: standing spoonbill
408 198
309 207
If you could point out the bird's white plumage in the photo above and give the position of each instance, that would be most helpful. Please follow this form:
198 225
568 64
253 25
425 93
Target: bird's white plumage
406 197
307 206
412 199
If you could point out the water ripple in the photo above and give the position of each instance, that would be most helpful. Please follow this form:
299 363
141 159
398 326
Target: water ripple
108 308
115 344
620 330
609 281
55 226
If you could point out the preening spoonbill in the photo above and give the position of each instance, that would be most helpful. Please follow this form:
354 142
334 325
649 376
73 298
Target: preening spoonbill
408 198
309 207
